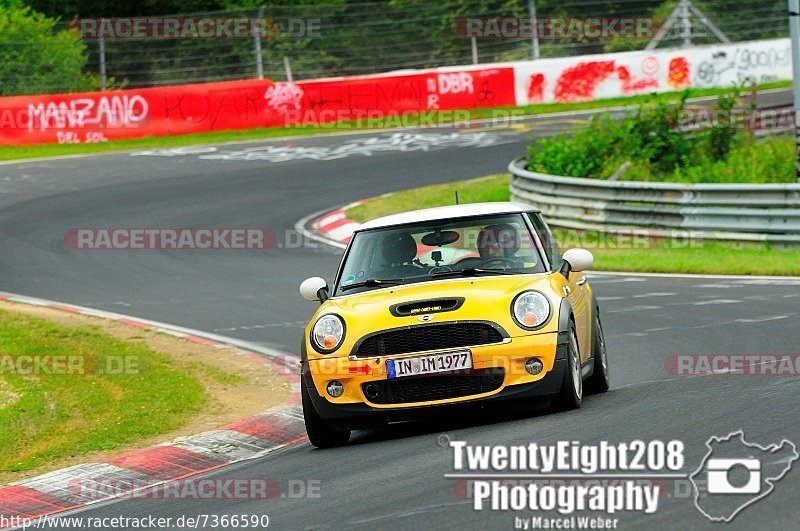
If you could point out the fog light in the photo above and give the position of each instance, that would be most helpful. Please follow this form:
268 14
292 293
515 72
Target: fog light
372 391
534 366
335 389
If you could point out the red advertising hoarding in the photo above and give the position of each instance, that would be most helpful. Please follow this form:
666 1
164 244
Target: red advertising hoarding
100 116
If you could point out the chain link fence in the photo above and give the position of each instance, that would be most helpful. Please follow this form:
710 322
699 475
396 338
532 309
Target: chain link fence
306 41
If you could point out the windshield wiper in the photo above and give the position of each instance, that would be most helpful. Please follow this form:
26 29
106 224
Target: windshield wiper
472 272
373 283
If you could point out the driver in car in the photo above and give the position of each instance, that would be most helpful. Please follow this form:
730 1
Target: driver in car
498 241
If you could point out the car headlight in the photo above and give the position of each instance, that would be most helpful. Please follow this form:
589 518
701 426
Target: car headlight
531 310
328 333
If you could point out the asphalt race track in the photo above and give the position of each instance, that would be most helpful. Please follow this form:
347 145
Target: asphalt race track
391 478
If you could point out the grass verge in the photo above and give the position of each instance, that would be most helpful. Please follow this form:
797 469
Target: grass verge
75 388
410 120
664 257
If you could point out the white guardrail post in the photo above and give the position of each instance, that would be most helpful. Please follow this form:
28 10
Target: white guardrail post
733 212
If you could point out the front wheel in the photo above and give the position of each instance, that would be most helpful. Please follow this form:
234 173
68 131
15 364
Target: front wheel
321 433
571 394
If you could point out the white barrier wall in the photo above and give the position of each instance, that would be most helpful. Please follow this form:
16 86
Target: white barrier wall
627 73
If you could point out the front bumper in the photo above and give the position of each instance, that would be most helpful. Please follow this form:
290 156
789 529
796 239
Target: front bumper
353 409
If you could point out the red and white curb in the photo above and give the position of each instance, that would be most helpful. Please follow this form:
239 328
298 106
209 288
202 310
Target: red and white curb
89 483
335 226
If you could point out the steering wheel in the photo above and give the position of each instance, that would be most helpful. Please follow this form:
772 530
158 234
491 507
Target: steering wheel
504 263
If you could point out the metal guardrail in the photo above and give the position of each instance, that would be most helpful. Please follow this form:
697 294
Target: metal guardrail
733 212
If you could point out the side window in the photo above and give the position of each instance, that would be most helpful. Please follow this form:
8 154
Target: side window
548 241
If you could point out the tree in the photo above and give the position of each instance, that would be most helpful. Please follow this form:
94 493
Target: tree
36 58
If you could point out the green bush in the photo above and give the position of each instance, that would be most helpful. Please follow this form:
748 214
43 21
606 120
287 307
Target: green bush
585 154
723 132
769 161
35 58
657 148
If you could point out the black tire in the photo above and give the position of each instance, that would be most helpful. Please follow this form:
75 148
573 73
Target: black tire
321 433
598 382
570 395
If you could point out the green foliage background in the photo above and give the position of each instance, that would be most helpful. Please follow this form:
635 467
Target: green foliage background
35 56
656 143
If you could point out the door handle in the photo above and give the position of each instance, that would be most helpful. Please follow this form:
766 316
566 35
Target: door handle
582 281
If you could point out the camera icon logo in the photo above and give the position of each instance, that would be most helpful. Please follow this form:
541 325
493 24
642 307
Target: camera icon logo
719 481
735 474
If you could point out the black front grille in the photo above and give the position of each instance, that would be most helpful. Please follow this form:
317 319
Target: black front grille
433 387
429 337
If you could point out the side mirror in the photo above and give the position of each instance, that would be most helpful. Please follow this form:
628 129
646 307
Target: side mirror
579 259
314 289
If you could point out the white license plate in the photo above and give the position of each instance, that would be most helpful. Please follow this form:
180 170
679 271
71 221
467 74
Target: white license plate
433 363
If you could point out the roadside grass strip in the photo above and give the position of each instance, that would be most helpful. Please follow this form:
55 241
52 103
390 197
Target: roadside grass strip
67 393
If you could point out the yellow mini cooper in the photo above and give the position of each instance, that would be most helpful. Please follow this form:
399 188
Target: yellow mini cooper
444 306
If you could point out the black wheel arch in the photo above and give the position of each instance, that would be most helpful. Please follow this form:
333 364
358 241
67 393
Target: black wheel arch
564 318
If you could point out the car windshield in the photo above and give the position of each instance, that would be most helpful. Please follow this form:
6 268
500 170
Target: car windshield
485 245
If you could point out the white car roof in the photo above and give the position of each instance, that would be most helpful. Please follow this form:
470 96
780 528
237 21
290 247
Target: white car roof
447 212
